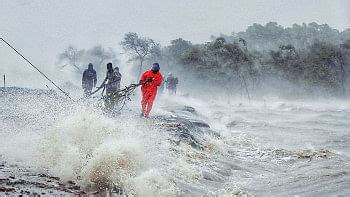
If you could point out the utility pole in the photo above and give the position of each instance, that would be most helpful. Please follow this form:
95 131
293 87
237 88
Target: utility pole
4 81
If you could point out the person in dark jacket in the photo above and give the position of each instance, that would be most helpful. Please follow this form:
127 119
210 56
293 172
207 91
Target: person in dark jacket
89 79
112 84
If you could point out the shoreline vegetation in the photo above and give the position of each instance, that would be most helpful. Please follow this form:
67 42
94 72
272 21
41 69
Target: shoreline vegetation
307 59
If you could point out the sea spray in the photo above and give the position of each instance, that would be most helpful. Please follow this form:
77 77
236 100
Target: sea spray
151 157
90 148
97 151
114 162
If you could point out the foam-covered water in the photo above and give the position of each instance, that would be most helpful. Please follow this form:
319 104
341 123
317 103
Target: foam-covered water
189 147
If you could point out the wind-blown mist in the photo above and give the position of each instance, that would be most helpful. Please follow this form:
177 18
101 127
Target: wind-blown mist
307 60
263 111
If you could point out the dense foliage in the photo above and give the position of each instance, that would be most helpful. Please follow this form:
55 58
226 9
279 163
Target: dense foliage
307 58
310 58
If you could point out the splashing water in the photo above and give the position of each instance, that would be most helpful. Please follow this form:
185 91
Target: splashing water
215 150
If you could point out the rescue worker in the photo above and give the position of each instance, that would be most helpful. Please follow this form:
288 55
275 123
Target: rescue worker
171 83
150 80
89 79
112 85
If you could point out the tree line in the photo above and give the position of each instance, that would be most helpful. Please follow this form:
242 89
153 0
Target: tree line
307 58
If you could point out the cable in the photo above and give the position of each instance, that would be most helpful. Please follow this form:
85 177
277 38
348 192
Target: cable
65 93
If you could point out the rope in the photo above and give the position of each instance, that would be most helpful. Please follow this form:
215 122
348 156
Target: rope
122 95
65 93
98 89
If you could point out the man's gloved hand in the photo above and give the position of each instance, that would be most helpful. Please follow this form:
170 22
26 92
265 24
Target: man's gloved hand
147 81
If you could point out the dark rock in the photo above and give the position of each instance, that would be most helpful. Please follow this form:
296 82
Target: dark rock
200 124
6 189
41 185
188 131
75 187
25 192
47 176
82 192
19 182
189 109
212 177
231 124
71 182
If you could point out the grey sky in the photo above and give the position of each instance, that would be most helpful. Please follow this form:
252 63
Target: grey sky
43 28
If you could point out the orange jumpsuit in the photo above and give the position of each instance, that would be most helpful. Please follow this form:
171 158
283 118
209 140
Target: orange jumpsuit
149 90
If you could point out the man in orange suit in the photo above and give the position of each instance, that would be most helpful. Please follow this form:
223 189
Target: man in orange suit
150 80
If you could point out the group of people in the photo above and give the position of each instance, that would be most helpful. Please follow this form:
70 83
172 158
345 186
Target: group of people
111 83
150 81
170 84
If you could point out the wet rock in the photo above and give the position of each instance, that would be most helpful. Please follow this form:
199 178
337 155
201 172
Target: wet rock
26 184
75 187
212 177
304 154
6 189
47 176
315 154
189 131
189 109
342 173
17 182
231 124
241 194
200 124
71 182
24 192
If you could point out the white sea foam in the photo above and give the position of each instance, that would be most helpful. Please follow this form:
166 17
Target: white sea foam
140 156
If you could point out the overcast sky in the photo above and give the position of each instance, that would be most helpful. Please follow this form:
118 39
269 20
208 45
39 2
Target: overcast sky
43 28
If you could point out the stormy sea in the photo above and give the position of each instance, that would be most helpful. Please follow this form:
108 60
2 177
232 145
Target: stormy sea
189 146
